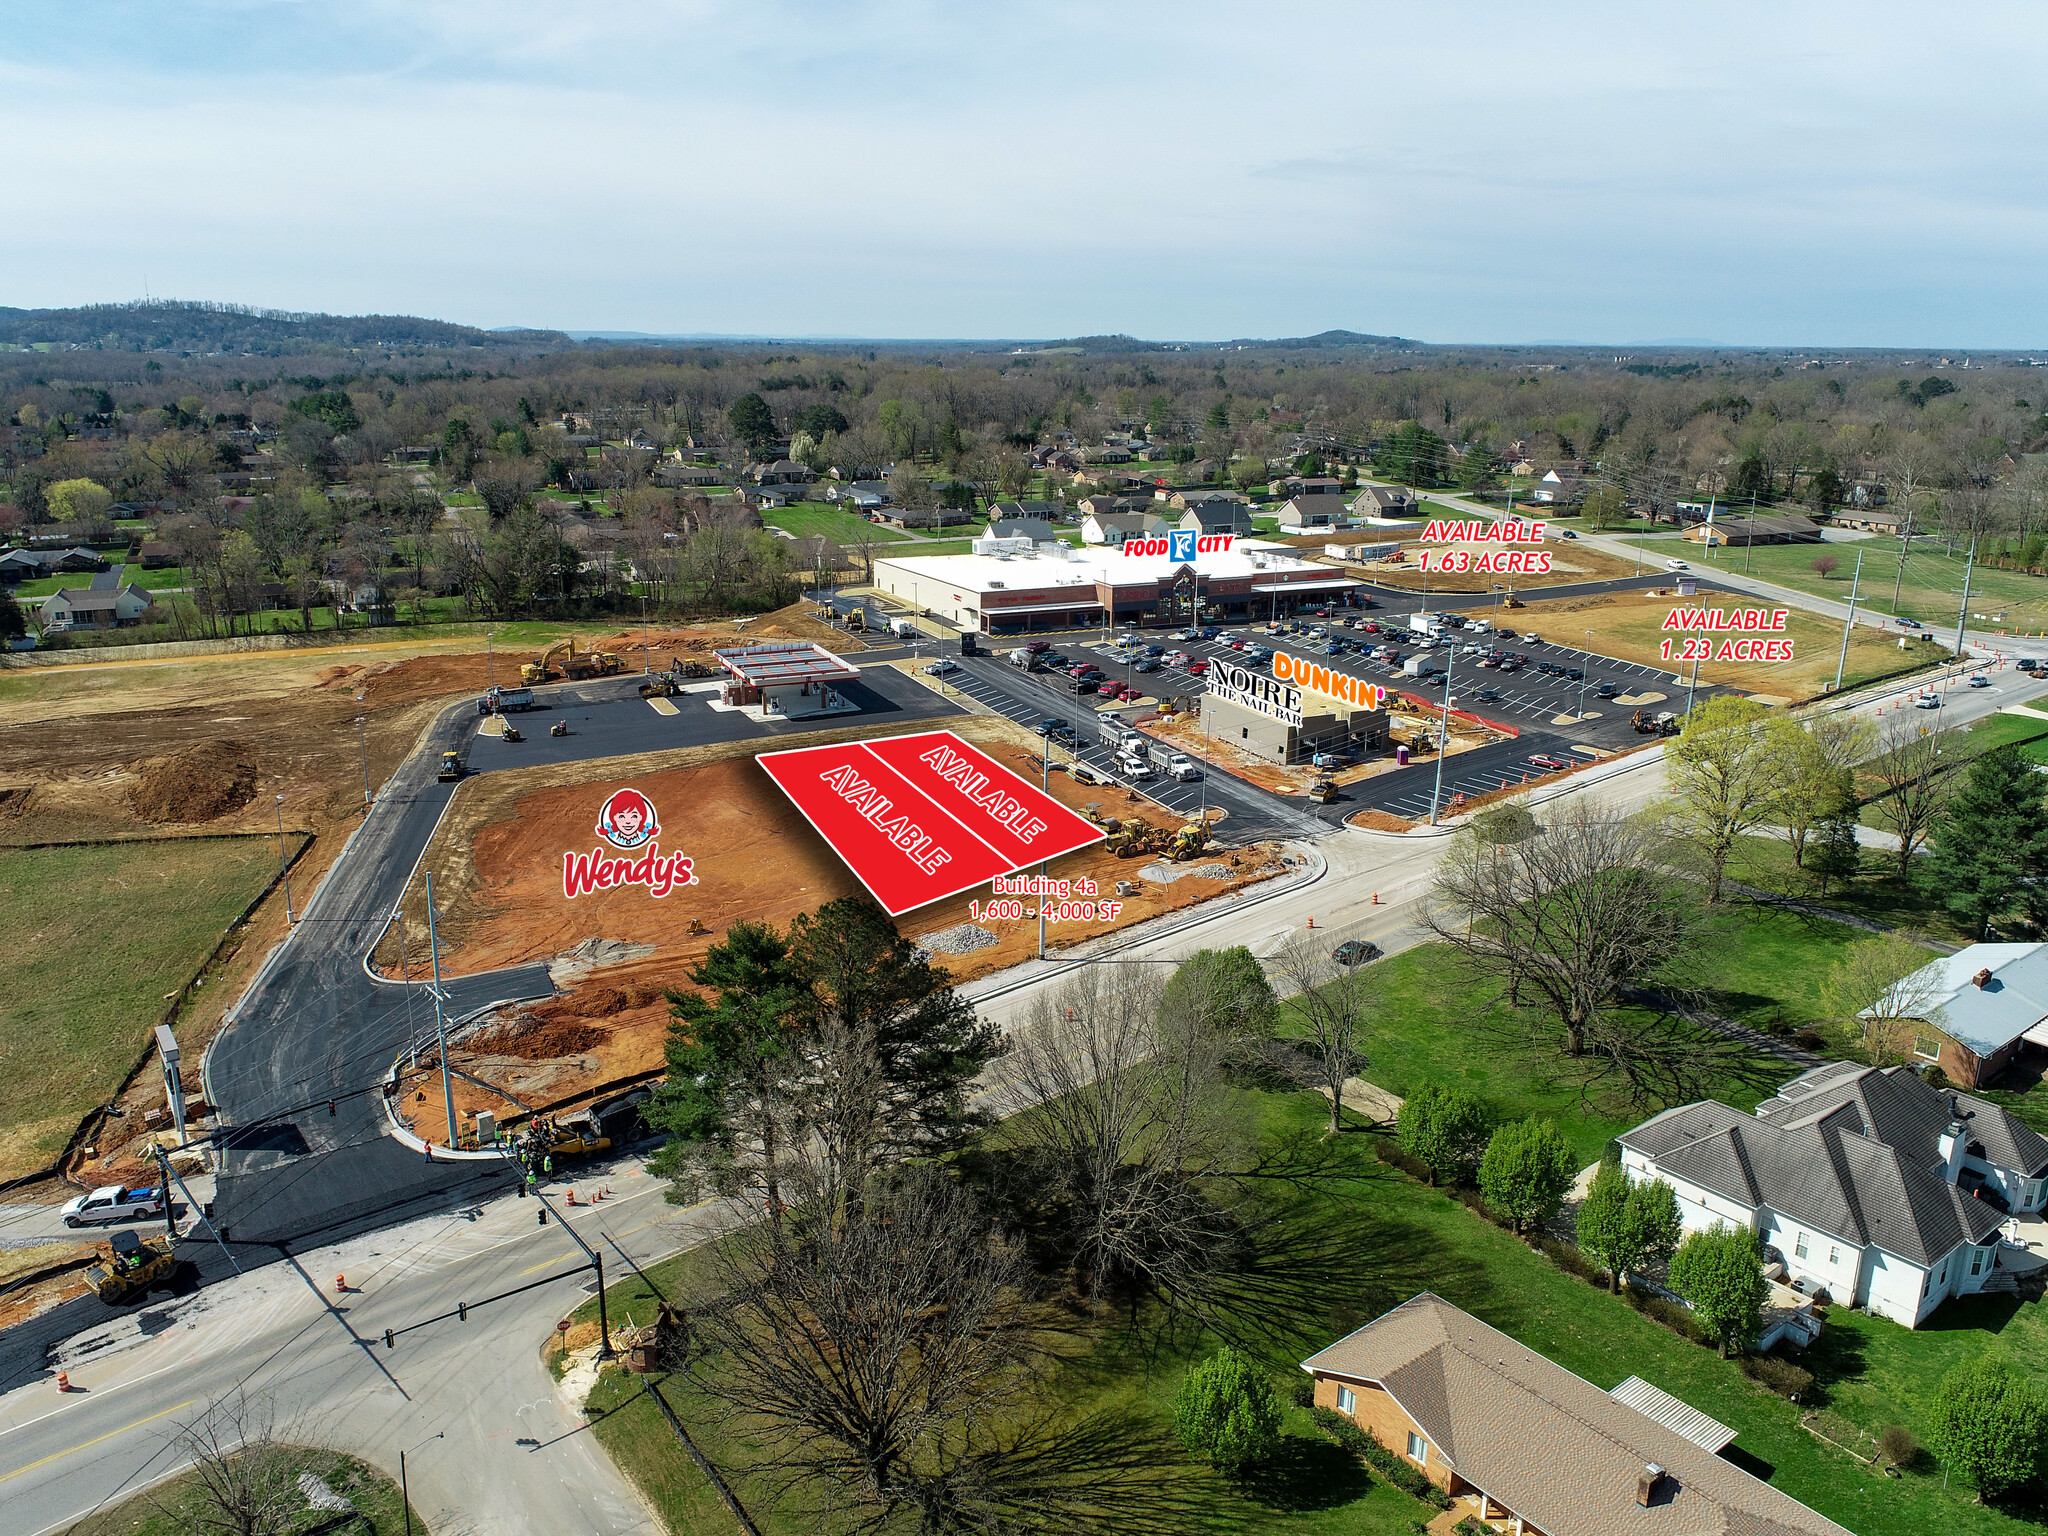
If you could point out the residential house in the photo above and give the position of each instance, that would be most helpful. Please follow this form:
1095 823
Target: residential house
1761 529
782 472
1307 485
21 564
1557 489
769 496
1524 1445
1202 470
1986 1003
1186 499
94 607
1094 506
851 472
936 517
1158 453
1861 1181
1865 493
1315 512
1218 516
1870 518
154 555
1115 527
1050 511
1036 529
677 475
1386 501
1108 453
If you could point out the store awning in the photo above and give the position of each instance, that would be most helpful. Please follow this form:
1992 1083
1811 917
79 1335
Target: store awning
996 615
776 666
1308 586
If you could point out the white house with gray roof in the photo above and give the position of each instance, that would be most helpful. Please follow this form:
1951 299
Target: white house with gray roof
1866 1182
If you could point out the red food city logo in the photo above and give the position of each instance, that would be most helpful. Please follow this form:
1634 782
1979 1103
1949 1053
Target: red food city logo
627 821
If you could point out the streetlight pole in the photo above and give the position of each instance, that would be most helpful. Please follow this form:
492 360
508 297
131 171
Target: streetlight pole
1443 739
646 662
440 1018
283 868
1585 676
1843 660
1045 869
363 748
490 660
404 1489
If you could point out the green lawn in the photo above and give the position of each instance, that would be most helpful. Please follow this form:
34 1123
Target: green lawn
1931 590
1875 893
809 520
101 934
934 547
150 581
1385 1238
174 1508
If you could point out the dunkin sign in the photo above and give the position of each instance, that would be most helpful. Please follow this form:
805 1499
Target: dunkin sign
629 823
1316 678
1182 544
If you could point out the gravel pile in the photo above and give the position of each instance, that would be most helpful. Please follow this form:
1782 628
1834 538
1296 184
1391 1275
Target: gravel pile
962 939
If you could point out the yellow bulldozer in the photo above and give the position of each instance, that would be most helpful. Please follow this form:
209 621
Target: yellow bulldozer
133 1264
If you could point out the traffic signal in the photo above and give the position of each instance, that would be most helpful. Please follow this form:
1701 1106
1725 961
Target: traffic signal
542 1213
330 1109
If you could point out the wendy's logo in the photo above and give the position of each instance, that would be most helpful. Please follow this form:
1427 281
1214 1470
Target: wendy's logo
628 820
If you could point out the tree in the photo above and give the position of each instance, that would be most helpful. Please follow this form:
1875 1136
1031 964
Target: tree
1991 842
1526 1171
1565 923
31 496
1122 1118
1824 566
1413 455
504 481
1990 1425
331 407
1819 773
1729 768
1444 1128
816 419
1908 765
1223 991
1835 853
1883 983
1334 1003
724 1102
1628 1226
1607 506
11 621
1225 1412
751 419
244 1482
1824 490
78 501
1478 470
1721 1272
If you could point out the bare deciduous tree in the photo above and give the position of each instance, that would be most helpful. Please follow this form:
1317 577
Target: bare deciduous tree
1881 984
1729 769
1335 1004
244 1483
1908 765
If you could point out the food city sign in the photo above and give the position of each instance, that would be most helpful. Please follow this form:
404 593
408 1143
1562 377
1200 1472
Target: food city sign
629 823
1320 679
1240 685
1182 544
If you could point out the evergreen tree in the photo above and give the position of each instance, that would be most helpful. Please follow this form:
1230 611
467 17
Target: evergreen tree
1991 842
1835 854
1478 470
1721 1272
1413 455
752 420
11 621
1527 1171
1990 1426
1225 1412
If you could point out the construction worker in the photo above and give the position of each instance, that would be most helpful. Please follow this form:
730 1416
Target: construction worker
548 1167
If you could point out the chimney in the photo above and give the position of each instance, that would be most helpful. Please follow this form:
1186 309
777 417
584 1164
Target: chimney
1950 1144
1981 980
1646 1485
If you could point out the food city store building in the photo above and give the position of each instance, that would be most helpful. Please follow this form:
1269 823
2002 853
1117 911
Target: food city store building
1020 588
1303 709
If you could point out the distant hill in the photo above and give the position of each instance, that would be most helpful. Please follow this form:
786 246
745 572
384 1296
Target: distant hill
1329 340
171 325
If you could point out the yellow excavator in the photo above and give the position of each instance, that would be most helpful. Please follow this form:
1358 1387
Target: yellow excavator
573 664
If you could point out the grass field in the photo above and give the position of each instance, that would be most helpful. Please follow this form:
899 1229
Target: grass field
808 520
1396 1238
1629 626
100 935
1931 591
174 1508
135 575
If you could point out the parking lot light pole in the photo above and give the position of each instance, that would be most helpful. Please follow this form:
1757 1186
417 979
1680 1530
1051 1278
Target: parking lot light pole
404 1489
1443 740
1585 677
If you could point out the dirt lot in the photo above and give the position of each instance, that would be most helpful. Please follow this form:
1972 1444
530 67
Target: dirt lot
1630 626
497 862
145 748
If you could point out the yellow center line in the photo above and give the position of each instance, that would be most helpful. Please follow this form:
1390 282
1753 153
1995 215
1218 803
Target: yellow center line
110 1434
543 1264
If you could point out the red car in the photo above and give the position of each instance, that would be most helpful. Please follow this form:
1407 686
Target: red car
1198 668
1546 761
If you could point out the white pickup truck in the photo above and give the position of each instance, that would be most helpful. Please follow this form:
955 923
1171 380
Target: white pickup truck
111 1204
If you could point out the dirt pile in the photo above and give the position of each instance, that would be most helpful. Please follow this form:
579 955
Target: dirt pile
202 782
533 1038
603 1002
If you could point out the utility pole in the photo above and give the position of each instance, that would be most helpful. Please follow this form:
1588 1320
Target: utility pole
646 663
363 748
1045 869
440 1018
490 660
1968 566
283 868
1905 543
1842 661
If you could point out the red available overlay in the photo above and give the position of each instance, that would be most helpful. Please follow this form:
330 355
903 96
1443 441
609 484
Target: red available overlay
920 818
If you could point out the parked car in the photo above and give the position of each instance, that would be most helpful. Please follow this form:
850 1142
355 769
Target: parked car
1532 638
1356 952
1487 694
1198 668
942 666
1545 761
1054 725
1910 624
1084 685
1607 690
1149 664
1575 674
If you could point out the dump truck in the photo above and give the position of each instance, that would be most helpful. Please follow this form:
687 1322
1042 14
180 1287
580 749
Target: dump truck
501 701
451 767
563 660
132 1265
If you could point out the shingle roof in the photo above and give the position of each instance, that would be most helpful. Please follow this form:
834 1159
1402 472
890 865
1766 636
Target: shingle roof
1896 1107
1551 1446
1846 1150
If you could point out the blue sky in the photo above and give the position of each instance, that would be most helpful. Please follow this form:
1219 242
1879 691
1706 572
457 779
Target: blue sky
1801 174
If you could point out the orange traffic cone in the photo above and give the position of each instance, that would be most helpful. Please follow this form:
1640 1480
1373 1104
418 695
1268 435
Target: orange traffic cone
340 1284
63 1382
572 1197
1375 898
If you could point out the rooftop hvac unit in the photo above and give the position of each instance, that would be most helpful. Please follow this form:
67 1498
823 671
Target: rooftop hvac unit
997 585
